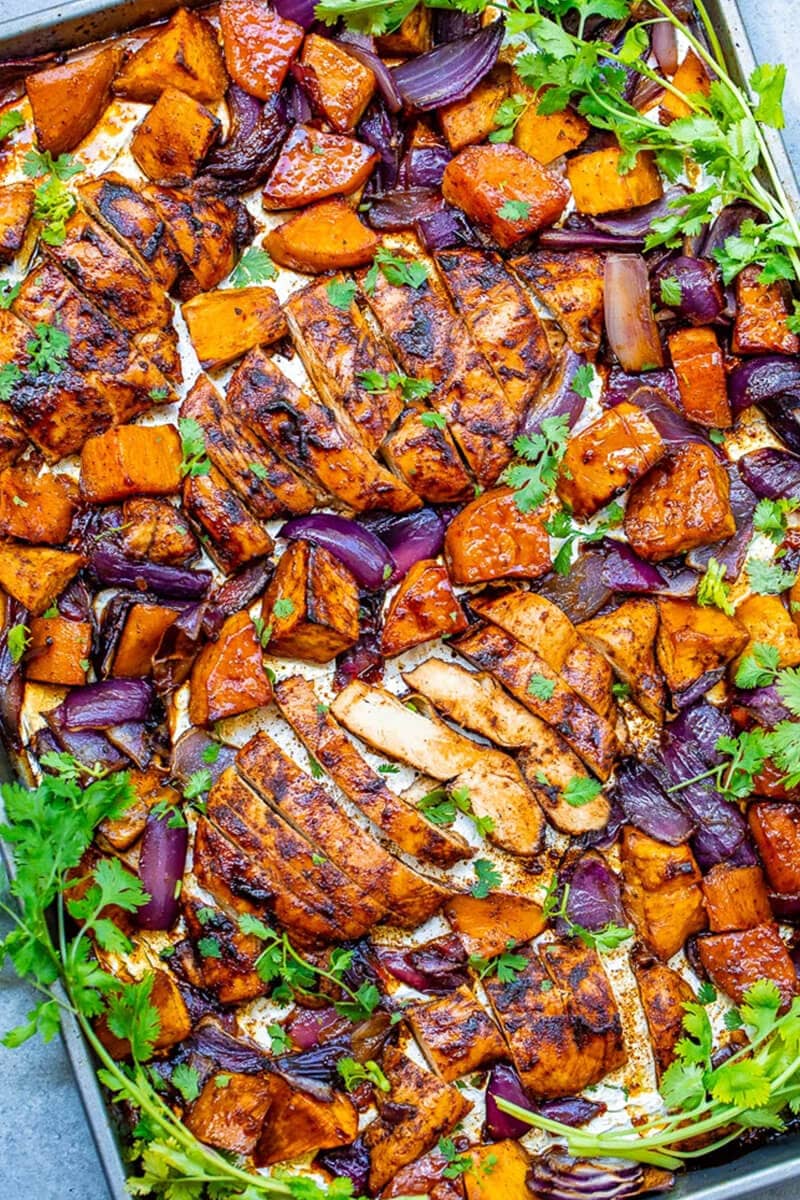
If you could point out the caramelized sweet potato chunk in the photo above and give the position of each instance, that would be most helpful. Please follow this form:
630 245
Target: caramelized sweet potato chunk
693 640
414 35
231 1117
327 236
141 636
175 1024
546 136
344 85
598 186
224 325
36 575
571 284
761 312
36 508
154 529
471 120
314 165
626 638
456 1034
606 457
487 925
661 892
298 1122
16 206
129 460
68 100
735 961
736 897
174 137
492 539
228 675
505 190
57 649
259 45
423 607
500 1169
692 79
776 829
184 54
311 605
663 993
768 621
697 360
683 502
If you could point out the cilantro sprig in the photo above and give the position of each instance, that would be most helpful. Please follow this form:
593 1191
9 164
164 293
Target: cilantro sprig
554 907
195 461
441 807
534 480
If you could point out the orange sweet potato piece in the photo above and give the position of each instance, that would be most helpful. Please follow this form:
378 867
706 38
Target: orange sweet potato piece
68 100
344 85
683 502
693 639
327 236
130 460
491 539
311 605
224 325
546 136
423 607
298 1122
228 675
500 1169
413 36
184 54
598 186
36 508
697 360
735 961
230 1117
174 137
776 829
141 636
761 311
691 78
736 898
313 165
471 120
486 926
259 45
661 891
16 206
36 575
505 190
767 619
606 457
57 649
174 1021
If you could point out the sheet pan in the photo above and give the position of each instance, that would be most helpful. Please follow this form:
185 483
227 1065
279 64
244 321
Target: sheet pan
60 26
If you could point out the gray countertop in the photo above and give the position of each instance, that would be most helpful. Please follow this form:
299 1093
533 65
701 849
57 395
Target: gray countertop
46 1151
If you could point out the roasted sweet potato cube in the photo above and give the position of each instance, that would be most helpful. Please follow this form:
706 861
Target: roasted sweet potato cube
327 236
36 508
693 640
141 636
344 86
471 120
423 607
259 45
298 1122
735 961
314 165
505 190
683 502
228 675
692 79
627 638
229 1112
224 325
606 457
736 897
174 137
36 575
68 100
598 187
235 536
413 36
546 136
16 206
57 649
697 361
486 926
768 621
456 1034
776 829
131 460
761 313
492 539
663 993
661 892
311 605
154 529
174 1021
184 54
571 284
500 1169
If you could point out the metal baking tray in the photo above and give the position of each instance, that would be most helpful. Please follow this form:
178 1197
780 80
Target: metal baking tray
75 22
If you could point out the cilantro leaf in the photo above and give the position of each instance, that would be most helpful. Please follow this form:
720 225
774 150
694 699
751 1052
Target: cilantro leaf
758 667
768 83
671 291
53 205
354 1073
199 781
433 420
514 210
283 607
48 350
255 266
712 589
768 578
17 640
487 878
542 453
541 687
37 163
789 689
769 517
581 790
506 116
193 447
582 381
9 121
341 293
8 292
396 269
186 1080
10 376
